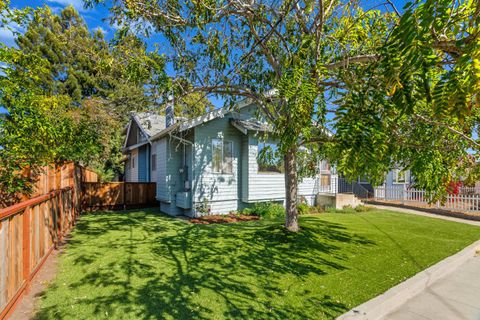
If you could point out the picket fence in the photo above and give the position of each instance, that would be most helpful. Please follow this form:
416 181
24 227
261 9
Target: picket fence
457 202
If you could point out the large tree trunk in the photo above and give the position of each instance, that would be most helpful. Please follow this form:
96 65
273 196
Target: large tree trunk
291 188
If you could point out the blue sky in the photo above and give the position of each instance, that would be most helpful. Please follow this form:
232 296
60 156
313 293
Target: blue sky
97 18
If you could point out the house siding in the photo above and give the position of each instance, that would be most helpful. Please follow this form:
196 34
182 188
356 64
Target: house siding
270 186
134 170
161 173
220 190
143 164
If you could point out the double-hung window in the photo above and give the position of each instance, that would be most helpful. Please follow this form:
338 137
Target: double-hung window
399 176
222 156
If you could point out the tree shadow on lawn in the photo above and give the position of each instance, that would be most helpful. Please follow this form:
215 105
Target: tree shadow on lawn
166 268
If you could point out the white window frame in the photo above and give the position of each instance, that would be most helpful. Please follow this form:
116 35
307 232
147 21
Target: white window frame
223 162
395 176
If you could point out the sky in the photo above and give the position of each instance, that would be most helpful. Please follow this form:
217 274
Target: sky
97 17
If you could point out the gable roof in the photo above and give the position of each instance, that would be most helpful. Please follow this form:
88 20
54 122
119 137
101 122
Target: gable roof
150 123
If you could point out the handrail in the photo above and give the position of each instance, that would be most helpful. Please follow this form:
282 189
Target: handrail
16 208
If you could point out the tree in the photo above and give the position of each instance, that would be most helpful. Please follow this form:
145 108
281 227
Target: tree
68 92
384 81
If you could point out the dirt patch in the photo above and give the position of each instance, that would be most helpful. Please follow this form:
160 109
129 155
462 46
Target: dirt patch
223 218
28 304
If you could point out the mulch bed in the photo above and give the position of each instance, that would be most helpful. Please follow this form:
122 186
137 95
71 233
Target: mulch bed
223 218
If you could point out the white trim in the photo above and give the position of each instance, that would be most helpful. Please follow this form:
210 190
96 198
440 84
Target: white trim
218 113
135 146
128 134
141 128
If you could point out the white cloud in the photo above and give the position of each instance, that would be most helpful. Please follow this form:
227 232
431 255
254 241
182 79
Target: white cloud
77 4
101 29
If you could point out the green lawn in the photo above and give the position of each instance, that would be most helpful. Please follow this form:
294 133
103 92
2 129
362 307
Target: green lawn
144 265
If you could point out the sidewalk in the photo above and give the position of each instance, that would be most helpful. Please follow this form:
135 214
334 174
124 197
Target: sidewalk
456 296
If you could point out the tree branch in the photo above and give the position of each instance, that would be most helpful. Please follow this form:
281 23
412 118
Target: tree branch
453 130
356 59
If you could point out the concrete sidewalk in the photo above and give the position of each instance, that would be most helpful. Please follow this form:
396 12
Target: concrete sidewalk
455 296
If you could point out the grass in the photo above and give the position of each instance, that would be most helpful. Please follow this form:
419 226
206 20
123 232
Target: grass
144 265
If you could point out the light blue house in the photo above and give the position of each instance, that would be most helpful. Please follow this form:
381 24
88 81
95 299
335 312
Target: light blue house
210 164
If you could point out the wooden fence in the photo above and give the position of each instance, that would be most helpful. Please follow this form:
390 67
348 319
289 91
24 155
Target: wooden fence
118 195
31 229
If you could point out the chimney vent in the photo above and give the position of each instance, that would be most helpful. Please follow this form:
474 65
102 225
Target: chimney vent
169 111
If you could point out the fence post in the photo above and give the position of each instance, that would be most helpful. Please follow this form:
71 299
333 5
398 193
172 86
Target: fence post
404 193
26 247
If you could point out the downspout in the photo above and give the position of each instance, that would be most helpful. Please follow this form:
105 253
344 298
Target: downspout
191 164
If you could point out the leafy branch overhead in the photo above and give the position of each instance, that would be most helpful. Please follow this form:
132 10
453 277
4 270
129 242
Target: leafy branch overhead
396 86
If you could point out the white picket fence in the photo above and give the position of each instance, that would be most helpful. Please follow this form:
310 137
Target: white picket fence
460 202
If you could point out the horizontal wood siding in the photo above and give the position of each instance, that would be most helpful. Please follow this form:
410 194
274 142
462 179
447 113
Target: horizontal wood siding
216 187
270 186
162 188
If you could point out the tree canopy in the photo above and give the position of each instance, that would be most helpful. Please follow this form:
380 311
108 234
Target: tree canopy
397 88
68 92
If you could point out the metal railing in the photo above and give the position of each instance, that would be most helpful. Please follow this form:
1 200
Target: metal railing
342 185
459 202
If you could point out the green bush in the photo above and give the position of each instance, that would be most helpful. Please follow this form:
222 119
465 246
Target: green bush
303 208
247 212
267 209
363 208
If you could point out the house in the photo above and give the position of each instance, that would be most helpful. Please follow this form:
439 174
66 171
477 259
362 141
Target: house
140 161
210 164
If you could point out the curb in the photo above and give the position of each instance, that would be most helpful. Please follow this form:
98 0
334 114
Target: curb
393 298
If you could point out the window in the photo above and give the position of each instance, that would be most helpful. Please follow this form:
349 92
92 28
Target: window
268 159
222 156
324 180
154 162
133 162
399 176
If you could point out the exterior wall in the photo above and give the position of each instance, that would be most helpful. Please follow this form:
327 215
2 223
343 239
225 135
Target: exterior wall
134 170
128 171
153 173
389 180
270 186
170 159
220 190
143 163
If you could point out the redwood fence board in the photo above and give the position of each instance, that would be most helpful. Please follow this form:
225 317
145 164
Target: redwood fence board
29 230
115 195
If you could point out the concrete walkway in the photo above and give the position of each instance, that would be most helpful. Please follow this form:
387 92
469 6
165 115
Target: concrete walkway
426 214
455 296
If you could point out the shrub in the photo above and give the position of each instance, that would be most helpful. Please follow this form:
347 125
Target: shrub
317 209
363 208
303 208
268 209
247 212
